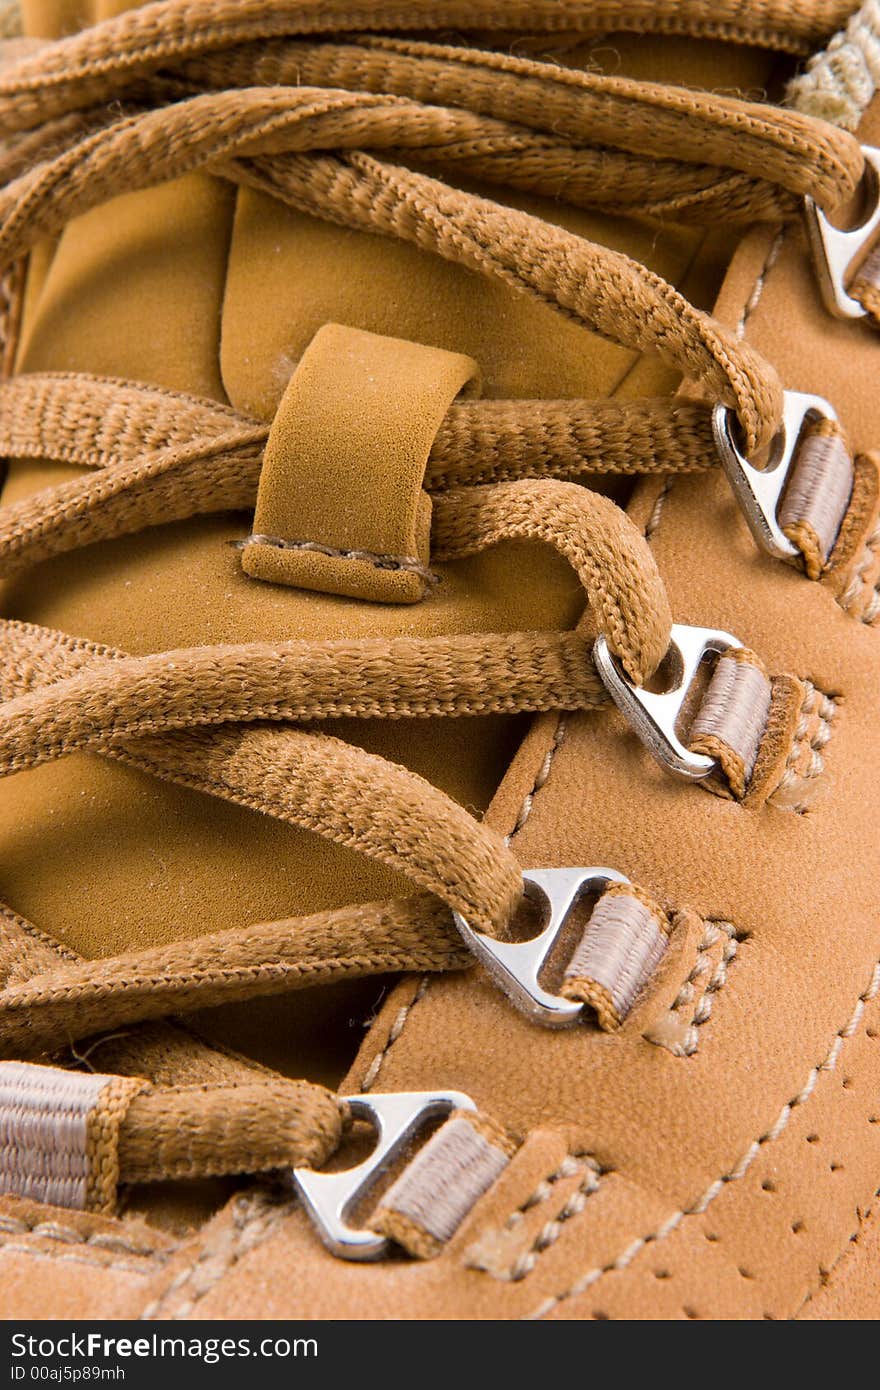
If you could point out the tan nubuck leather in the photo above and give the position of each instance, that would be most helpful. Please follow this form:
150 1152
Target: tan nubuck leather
401 439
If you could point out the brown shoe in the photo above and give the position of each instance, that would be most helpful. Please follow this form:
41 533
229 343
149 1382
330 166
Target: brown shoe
401 695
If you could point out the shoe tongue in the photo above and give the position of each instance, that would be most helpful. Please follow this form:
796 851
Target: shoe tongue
203 288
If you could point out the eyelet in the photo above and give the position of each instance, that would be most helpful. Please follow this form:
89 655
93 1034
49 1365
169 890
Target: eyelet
516 966
331 1198
759 491
655 716
835 250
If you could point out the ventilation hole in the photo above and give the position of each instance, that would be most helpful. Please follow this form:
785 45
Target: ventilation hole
836 1167
768 1185
662 1274
847 1083
812 1138
691 1314
746 1273
797 1227
599 1316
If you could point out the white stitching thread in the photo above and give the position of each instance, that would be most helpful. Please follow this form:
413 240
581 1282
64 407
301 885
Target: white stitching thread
823 708
397 1028
701 1003
541 776
853 594
654 519
848 599
739 1170
253 1219
749 308
380 562
569 1166
55 1257
754 298
550 1232
103 1240
560 731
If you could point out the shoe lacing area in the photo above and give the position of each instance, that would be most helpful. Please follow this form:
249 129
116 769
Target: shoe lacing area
328 126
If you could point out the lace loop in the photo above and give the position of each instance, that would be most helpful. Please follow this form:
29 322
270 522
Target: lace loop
117 699
92 66
46 1002
597 140
161 456
602 289
611 558
302 103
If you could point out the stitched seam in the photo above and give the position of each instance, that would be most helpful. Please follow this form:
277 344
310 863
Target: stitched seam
853 594
739 1170
869 554
526 1262
561 726
541 776
847 1252
524 812
54 1230
702 1003
253 1222
544 1190
56 1257
823 707
760 284
397 1027
654 519
408 563
400 1021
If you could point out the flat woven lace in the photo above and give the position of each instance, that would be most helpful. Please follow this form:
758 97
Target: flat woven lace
353 115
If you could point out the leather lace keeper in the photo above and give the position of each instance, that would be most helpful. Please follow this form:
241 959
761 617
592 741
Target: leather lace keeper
341 506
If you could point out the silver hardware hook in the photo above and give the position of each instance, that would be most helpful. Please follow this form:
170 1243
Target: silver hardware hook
331 1198
655 716
517 965
759 490
835 249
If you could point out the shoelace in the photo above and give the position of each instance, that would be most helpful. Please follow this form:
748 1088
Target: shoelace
261 97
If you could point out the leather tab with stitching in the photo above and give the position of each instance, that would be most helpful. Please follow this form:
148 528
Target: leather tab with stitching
341 507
